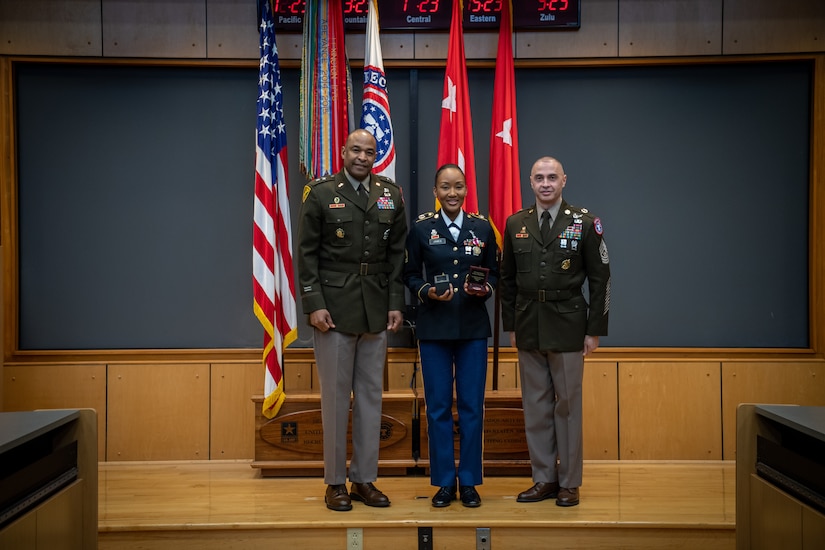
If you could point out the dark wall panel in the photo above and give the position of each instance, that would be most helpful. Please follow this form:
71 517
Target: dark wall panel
136 186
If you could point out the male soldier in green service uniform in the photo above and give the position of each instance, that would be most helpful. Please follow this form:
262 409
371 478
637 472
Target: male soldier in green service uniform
351 237
550 249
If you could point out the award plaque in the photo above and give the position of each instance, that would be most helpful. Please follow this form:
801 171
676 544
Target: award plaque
477 278
442 283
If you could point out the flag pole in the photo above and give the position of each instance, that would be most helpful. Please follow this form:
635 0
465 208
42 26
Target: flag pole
496 327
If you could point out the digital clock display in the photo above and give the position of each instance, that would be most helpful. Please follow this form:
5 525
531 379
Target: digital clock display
289 14
546 14
434 15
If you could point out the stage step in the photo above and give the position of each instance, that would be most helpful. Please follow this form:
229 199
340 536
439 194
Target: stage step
229 505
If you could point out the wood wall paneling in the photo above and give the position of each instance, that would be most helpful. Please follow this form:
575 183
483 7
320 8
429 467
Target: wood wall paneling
316 384
434 45
231 30
232 412
46 27
290 46
395 45
677 27
508 376
220 29
597 37
297 377
774 382
30 387
600 410
158 412
670 411
766 26
399 375
154 29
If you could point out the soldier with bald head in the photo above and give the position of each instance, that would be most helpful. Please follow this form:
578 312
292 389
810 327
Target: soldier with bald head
351 234
550 250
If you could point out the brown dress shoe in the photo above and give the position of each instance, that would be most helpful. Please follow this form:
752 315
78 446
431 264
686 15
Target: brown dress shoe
540 491
369 495
568 497
337 498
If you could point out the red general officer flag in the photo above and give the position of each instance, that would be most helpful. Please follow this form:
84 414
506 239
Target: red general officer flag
505 180
455 143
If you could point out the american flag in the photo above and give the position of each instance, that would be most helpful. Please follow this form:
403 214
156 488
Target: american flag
272 270
375 107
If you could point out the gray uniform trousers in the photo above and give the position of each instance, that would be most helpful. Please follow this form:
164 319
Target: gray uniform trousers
551 390
351 364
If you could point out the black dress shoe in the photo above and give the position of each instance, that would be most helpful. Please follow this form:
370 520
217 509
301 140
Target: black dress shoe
469 497
444 497
369 495
337 498
540 491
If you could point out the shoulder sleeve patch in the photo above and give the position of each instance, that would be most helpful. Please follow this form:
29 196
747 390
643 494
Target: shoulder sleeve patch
307 189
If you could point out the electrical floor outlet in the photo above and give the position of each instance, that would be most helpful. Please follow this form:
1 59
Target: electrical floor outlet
355 538
482 538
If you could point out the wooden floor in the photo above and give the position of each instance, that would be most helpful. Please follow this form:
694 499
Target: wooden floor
227 505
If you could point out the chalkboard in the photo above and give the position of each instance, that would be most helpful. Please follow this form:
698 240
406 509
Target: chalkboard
136 184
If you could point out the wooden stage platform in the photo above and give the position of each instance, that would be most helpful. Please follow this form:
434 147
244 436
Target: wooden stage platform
228 506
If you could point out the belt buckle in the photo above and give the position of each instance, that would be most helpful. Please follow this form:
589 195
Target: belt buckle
363 269
541 296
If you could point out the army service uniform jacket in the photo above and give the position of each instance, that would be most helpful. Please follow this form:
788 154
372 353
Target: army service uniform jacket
350 257
431 251
541 282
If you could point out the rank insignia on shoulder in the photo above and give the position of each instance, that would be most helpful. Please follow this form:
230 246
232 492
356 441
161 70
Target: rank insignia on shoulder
476 215
425 216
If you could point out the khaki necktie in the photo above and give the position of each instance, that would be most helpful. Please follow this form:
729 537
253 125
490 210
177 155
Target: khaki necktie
546 222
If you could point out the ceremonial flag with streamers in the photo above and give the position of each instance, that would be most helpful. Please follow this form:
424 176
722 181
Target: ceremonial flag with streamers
505 180
375 107
326 90
455 143
272 270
